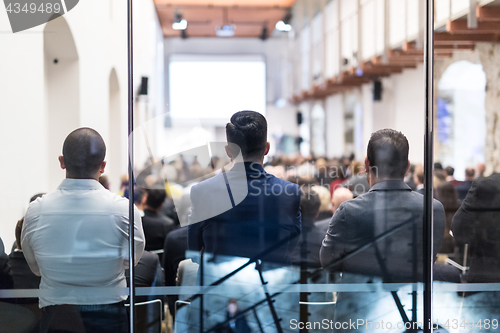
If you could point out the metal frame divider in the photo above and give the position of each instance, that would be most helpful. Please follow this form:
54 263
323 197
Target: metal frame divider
428 165
130 97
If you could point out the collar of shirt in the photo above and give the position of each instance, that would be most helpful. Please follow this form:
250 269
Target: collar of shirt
80 184
390 185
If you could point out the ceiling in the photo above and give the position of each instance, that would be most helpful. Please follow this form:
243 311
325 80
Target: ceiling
248 16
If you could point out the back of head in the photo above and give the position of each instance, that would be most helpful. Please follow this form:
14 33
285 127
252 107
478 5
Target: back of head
449 171
247 130
155 198
470 173
339 196
83 151
388 154
309 205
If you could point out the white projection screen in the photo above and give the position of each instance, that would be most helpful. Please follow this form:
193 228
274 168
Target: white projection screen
215 87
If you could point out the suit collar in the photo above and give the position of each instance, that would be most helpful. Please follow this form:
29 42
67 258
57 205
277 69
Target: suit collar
390 185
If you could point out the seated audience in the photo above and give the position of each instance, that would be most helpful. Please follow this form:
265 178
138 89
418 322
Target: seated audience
306 254
389 206
156 226
476 223
244 211
6 281
447 195
464 187
325 210
357 183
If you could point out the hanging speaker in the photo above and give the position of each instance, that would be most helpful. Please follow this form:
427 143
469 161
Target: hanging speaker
377 90
144 86
299 118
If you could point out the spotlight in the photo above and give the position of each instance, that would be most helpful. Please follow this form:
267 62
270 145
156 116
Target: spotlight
182 25
282 26
225 31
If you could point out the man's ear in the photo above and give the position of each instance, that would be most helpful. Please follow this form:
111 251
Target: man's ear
408 167
268 145
367 165
102 167
228 152
61 162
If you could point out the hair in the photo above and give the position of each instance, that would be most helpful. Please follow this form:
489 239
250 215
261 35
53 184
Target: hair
449 170
138 194
470 172
83 152
324 197
248 131
309 205
155 198
388 153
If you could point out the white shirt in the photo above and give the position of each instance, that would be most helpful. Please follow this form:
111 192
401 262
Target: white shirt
76 238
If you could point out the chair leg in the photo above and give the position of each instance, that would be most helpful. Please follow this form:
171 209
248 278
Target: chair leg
270 301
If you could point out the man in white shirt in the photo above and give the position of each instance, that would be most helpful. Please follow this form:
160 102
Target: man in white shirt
76 239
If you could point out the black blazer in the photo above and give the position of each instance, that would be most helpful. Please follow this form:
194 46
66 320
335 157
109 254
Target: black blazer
389 206
477 223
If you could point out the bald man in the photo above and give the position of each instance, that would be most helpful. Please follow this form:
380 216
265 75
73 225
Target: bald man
76 239
339 196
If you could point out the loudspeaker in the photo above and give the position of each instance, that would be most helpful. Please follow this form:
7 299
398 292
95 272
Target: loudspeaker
377 90
144 86
299 118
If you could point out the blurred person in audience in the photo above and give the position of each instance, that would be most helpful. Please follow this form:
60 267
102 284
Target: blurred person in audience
123 185
410 178
325 210
448 196
22 275
306 254
476 223
6 281
480 170
357 182
419 178
340 172
464 187
140 199
156 226
236 322
76 238
238 213
450 171
340 195
103 180
389 206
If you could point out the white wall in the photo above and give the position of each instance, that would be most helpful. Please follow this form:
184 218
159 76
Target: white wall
100 40
334 109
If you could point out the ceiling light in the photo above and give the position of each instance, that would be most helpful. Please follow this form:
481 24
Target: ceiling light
225 31
282 26
182 25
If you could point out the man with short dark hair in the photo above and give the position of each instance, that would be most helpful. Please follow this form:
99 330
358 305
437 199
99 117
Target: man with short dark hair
76 238
390 206
244 211
156 226
463 187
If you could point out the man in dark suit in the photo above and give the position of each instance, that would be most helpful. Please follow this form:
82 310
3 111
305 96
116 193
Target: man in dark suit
156 226
477 223
464 186
390 206
244 211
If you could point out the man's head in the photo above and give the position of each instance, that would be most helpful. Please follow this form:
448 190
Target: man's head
309 205
155 199
387 156
470 173
248 131
339 196
449 171
83 154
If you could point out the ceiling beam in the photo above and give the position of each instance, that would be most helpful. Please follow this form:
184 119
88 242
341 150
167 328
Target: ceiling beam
460 27
488 13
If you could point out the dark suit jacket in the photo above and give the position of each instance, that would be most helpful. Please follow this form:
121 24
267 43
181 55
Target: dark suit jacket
388 206
243 212
477 223
307 251
156 227
463 188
